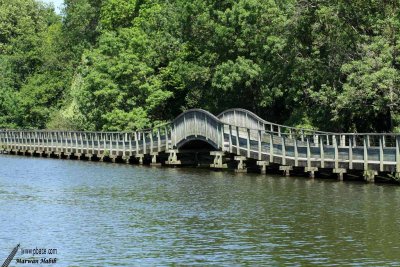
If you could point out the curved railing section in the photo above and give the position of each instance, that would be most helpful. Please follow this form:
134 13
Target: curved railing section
197 124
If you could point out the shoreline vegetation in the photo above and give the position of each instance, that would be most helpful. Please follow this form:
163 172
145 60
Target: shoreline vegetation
132 64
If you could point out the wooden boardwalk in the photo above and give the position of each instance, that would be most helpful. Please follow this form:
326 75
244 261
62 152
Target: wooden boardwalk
236 132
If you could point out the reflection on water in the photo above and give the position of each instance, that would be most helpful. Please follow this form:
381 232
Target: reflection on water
99 214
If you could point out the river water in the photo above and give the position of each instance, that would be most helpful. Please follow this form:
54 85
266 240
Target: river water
103 214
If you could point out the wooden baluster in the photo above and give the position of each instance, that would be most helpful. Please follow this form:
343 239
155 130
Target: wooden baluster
283 150
350 153
271 147
321 151
366 141
230 138
248 143
336 148
237 141
381 141
259 145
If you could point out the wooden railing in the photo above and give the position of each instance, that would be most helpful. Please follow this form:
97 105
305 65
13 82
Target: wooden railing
236 131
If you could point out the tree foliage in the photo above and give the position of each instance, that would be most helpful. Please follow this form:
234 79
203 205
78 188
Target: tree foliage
128 64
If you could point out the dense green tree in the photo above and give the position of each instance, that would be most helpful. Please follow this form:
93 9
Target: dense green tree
128 64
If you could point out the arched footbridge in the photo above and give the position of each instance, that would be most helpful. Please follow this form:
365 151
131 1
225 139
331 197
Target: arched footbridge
236 132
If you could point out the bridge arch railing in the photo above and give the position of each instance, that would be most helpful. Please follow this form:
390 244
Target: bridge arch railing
197 124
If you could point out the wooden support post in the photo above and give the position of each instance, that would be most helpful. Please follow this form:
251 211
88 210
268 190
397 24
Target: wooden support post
218 160
340 173
286 169
173 157
369 175
241 166
263 165
154 162
140 158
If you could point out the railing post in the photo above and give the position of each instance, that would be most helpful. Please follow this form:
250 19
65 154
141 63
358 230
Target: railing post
117 140
315 139
237 141
111 143
223 136
174 136
271 147
144 143
381 141
230 138
296 152
342 140
129 139
283 150
259 144
81 140
335 144
136 143
195 125
158 140
166 138
321 151
124 138
206 127
366 141
52 142
184 124
248 143
308 153
92 135
350 153
151 141
397 153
